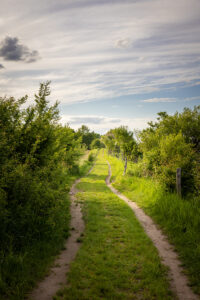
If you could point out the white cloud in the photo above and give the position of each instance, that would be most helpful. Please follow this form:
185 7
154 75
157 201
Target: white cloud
159 100
156 47
102 124
191 98
162 100
91 120
197 83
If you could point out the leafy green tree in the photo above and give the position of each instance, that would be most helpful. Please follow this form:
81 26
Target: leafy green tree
87 136
111 144
188 122
172 142
97 144
126 142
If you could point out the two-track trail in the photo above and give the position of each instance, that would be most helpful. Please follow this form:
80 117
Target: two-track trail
117 260
179 282
47 288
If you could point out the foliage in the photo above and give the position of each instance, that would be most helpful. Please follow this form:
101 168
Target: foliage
188 122
171 142
97 144
109 141
91 157
86 136
126 142
37 158
120 141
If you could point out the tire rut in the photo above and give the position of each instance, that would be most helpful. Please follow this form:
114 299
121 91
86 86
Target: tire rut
178 281
47 288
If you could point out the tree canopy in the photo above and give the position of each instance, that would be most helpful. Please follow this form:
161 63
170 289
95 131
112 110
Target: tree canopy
87 136
172 142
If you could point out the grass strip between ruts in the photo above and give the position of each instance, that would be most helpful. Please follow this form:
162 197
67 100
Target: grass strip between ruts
179 218
116 260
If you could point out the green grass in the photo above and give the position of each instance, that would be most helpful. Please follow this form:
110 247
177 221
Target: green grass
85 163
20 270
179 218
84 157
116 259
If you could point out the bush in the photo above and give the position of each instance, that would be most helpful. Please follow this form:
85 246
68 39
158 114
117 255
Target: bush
176 153
91 157
37 158
97 144
170 144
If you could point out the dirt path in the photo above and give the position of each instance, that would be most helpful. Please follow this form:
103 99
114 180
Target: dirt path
179 282
57 277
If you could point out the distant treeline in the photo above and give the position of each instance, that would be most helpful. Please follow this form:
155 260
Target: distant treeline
171 142
91 140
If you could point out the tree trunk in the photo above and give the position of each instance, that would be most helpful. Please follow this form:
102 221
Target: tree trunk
125 165
178 181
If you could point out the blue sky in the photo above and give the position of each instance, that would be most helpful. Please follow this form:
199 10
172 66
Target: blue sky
110 63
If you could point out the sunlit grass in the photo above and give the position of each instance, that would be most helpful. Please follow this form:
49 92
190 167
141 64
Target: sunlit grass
179 218
116 260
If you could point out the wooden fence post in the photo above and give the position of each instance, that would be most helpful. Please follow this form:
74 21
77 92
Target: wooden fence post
178 181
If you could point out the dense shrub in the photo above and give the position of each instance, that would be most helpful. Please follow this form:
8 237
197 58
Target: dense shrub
170 143
91 157
97 144
37 156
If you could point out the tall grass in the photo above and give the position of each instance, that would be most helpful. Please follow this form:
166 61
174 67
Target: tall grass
178 217
22 267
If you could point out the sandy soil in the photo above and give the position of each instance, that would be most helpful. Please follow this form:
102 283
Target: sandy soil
178 281
57 277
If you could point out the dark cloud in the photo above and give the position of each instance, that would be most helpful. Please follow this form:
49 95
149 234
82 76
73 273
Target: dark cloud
124 43
1 66
11 49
